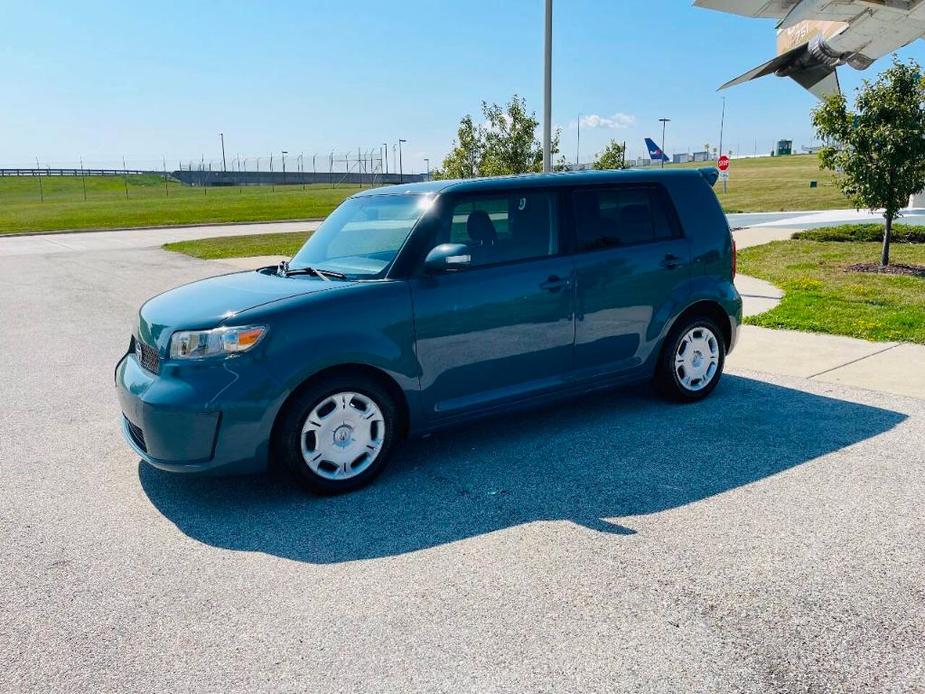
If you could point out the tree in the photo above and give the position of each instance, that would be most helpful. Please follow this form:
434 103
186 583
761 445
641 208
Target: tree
611 157
468 150
877 151
505 143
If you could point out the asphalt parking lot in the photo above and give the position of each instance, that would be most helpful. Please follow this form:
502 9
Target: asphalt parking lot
769 539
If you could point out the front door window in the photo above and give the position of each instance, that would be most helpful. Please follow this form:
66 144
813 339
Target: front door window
505 228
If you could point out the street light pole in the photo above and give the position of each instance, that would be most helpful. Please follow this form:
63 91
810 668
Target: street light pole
284 153
547 90
224 166
664 122
578 143
722 123
427 163
401 173
385 156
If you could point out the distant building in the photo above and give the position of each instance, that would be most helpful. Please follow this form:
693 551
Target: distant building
701 156
784 148
682 158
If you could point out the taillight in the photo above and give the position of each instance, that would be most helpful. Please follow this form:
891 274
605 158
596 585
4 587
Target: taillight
733 258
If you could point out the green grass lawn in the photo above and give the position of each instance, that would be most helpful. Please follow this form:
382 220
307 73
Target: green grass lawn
773 184
822 297
756 185
241 246
149 204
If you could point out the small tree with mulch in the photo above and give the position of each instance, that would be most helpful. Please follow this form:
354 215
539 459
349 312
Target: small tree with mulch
877 151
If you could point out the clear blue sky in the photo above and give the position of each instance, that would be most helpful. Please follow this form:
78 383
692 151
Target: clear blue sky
103 80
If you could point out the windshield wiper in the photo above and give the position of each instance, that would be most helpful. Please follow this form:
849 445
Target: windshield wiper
326 275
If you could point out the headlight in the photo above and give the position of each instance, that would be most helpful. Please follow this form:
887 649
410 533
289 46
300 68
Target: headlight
195 344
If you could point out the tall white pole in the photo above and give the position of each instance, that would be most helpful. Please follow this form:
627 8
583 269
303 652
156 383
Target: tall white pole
547 91
722 123
664 122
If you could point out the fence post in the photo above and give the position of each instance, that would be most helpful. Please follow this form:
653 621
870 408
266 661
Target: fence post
41 189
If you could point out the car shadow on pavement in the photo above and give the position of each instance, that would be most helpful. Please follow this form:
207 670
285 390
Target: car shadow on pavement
609 455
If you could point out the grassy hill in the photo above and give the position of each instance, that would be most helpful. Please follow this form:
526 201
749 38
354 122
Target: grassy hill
149 204
767 184
774 184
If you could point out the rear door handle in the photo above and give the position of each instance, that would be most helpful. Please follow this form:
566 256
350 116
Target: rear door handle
554 283
670 261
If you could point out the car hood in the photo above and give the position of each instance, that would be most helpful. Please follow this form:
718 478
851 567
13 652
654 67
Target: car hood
210 302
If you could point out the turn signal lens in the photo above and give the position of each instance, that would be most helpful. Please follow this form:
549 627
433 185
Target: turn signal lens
241 339
197 344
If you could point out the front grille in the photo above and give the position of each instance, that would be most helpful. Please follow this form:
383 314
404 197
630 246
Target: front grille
137 434
147 357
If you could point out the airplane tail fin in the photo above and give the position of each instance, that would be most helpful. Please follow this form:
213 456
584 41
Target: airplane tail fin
655 152
797 64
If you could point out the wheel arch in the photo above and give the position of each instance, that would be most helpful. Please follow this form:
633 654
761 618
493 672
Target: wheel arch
352 369
712 310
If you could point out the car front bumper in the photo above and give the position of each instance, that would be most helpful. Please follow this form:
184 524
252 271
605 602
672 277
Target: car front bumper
198 419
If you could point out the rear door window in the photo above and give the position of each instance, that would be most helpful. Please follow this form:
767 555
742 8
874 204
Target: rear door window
622 216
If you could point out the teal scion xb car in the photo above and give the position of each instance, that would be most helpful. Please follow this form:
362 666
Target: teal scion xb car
417 307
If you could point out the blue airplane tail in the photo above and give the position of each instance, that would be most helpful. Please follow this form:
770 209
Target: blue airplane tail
655 152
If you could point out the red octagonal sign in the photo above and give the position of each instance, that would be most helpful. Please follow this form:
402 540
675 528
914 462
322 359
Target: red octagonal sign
723 162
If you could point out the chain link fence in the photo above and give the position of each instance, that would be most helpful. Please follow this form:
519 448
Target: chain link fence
47 181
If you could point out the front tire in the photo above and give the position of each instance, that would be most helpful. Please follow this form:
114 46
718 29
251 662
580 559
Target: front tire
337 434
692 360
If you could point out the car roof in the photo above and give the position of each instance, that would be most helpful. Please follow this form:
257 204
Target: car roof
538 180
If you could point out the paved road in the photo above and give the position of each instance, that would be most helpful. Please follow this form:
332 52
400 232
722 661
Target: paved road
808 220
771 539
125 239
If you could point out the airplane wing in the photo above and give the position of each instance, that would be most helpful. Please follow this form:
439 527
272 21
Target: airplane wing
833 11
774 9
820 79
767 68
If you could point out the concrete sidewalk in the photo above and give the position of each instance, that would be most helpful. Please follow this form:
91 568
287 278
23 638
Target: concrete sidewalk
888 367
756 236
79 242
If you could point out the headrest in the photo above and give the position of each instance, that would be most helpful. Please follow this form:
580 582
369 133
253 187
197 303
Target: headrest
480 228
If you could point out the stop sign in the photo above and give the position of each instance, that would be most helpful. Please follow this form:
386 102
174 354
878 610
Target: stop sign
723 162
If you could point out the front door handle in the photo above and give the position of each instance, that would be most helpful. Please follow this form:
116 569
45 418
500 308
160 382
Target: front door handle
554 283
670 261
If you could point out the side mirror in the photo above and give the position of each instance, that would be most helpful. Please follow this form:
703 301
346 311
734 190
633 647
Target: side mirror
448 256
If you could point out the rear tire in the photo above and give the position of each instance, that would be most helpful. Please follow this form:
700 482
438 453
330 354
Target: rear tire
337 434
692 360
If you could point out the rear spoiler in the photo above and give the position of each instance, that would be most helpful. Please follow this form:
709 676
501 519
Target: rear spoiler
710 173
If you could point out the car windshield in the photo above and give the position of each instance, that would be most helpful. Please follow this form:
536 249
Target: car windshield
361 237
